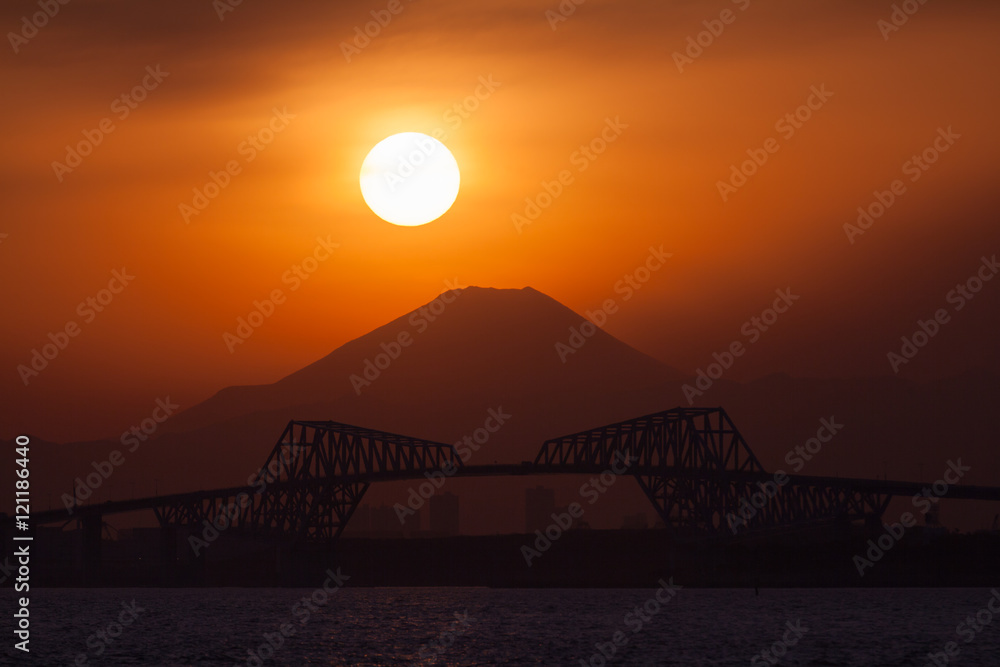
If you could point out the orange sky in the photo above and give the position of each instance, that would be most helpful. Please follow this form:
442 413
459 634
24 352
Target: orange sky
656 184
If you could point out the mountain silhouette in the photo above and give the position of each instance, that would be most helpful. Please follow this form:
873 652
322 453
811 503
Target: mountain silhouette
488 346
437 371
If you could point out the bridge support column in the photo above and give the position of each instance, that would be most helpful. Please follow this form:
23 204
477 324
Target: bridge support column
168 552
93 524
168 545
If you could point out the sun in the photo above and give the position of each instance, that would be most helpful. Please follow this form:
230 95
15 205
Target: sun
409 179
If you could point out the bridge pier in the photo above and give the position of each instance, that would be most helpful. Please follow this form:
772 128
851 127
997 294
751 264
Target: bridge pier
168 544
93 523
873 523
168 552
692 464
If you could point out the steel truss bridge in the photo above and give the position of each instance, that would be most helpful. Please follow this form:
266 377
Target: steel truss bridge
692 464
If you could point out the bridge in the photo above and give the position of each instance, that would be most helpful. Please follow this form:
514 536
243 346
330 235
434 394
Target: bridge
692 463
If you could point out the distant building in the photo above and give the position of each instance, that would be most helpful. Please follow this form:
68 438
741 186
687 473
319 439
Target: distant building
444 513
539 504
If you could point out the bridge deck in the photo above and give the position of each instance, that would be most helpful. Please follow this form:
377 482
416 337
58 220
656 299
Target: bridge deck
879 486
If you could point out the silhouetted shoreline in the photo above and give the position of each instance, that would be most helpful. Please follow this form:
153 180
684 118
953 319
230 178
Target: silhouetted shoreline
578 559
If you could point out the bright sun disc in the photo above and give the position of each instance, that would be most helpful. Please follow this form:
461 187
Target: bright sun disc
409 179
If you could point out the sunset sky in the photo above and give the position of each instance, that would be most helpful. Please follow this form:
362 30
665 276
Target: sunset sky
547 93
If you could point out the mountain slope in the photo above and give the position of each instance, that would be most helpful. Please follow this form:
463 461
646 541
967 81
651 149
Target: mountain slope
436 373
486 346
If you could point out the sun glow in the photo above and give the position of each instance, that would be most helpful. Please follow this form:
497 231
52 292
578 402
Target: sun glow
409 179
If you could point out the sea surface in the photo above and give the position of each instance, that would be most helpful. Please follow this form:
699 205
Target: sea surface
483 626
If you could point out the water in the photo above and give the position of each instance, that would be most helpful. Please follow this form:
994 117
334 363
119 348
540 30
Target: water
390 626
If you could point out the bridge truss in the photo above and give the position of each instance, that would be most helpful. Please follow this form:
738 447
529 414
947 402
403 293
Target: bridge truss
699 473
312 482
692 463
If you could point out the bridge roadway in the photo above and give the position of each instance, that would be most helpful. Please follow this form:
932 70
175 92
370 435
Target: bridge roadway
879 486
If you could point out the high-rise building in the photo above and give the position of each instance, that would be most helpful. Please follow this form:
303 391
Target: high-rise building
444 513
539 504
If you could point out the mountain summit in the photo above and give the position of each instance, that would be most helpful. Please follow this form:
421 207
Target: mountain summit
464 351
440 371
